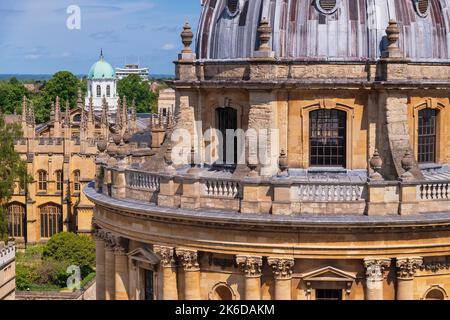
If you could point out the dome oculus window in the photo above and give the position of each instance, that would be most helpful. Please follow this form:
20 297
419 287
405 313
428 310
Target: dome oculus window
233 7
327 6
422 7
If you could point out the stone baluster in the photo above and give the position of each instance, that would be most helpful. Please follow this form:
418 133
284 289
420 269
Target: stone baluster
282 270
406 270
374 277
251 266
169 272
191 267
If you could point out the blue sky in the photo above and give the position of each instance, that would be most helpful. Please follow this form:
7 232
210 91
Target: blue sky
34 38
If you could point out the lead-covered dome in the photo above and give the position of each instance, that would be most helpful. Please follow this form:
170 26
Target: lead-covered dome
324 29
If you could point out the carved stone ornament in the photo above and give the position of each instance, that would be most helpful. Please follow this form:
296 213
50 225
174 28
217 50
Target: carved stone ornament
251 266
188 259
407 267
281 267
375 269
166 254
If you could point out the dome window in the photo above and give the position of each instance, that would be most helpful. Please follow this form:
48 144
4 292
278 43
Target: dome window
327 6
422 7
233 7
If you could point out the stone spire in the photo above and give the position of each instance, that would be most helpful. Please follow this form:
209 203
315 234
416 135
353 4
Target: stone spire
119 114
57 110
124 112
52 111
79 99
24 109
91 110
67 116
31 117
104 119
133 117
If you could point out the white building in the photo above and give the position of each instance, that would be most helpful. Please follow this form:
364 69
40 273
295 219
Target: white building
102 83
132 69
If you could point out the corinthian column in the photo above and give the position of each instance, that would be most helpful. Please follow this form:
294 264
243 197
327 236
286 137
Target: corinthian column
169 274
109 270
375 277
406 270
251 266
121 273
282 271
99 265
188 259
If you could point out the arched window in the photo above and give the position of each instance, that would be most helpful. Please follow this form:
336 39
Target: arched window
427 136
77 118
99 91
16 220
233 6
59 180
226 119
42 181
222 292
51 220
435 293
422 7
76 181
326 6
328 138
108 90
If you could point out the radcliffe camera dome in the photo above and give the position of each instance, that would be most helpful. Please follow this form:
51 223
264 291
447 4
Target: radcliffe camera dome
324 29
101 70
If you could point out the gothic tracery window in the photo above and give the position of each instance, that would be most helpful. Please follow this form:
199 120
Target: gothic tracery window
51 220
16 220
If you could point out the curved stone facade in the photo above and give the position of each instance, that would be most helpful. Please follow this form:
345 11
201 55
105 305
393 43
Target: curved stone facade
350 202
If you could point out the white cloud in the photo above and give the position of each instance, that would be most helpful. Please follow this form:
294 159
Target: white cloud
168 46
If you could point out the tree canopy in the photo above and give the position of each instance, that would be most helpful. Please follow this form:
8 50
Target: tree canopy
12 169
133 87
11 93
63 84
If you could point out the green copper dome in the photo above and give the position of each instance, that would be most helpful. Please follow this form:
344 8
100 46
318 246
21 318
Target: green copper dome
101 70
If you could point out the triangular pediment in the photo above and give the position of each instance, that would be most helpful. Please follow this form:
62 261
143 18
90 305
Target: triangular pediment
144 255
328 274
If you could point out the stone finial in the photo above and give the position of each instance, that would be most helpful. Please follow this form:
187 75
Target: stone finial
91 117
186 37
57 110
104 119
407 165
376 164
283 163
67 115
24 109
52 111
264 34
31 117
392 34
79 99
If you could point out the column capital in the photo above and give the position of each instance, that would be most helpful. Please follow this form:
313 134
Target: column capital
166 254
188 259
250 265
407 267
281 267
375 268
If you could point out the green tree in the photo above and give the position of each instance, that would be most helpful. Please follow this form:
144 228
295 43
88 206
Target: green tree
64 85
133 87
11 93
73 249
12 169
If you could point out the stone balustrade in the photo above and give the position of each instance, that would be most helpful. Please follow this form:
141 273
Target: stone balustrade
319 192
434 191
222 188
142 180
275 195
7 254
